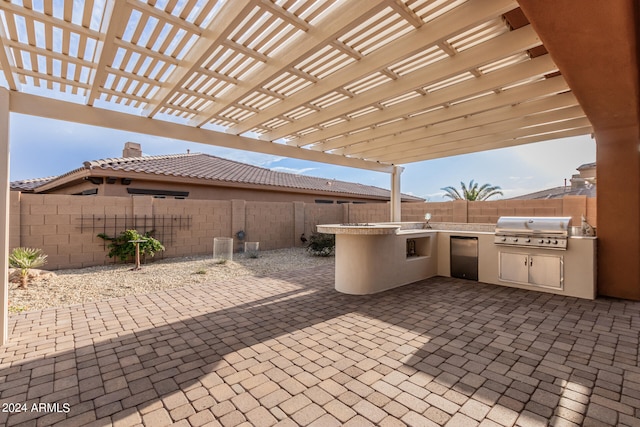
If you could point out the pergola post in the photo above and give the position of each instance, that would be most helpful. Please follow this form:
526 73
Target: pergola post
396 211
4 215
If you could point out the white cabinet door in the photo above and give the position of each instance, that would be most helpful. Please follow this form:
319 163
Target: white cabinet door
546 270
514 267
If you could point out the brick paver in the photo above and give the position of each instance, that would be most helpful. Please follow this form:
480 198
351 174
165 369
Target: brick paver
289 350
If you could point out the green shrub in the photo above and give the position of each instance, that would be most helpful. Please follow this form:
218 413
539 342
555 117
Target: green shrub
26 259
321 244
121 247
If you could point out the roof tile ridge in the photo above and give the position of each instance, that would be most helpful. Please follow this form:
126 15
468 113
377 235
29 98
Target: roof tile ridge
237 162
110 160
29 180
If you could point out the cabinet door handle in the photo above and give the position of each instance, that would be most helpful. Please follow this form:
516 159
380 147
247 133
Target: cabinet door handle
525 260
530 262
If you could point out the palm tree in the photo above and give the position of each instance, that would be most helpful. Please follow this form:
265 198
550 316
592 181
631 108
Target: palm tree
472 192
26 259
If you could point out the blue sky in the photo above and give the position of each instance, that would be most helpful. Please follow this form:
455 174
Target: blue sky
44 147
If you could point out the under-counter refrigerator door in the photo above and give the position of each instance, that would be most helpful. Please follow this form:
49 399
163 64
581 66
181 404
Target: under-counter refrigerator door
464 257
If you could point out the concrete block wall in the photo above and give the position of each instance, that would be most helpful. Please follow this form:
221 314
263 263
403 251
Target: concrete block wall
208 219
440 211
54 223
271 224
315 214
369 212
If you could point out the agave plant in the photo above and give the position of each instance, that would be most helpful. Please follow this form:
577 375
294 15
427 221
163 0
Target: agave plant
472 192
26 259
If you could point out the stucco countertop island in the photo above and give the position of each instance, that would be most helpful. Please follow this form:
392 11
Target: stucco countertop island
373 257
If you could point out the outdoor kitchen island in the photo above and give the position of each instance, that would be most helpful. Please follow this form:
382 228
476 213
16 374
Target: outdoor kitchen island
374 257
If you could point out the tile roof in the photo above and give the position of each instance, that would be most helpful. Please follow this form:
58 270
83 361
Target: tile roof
212 168
558 193
29 184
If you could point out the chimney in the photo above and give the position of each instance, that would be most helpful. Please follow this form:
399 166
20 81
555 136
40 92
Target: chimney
132 149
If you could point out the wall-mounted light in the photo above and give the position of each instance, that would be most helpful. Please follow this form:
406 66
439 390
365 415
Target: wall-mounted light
111 179
126 181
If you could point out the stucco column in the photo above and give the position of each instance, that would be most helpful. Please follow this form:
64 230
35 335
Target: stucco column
396 210
618 172
4 215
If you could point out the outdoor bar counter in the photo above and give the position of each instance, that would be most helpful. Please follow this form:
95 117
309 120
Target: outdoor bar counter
374 257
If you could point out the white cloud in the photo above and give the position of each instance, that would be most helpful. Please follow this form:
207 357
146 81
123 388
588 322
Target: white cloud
300 171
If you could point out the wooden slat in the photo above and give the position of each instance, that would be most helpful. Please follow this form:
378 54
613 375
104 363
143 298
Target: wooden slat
411 132
116 17
163 16
232 14
338 22
465 16
31 15
500 47
284 15
512 96
484 125
491 143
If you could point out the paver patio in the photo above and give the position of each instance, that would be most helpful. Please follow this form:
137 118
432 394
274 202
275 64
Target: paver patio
289 350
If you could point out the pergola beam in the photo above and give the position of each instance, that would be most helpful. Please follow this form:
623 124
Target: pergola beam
501 113
495 145
487 142
426 139
33 105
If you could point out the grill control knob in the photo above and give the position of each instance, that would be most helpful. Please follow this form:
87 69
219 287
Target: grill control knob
515 239
541 241
504 239
555 242
548 241
528 240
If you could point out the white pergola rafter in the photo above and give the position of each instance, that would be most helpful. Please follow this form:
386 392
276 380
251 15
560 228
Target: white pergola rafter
460 122
340 20
576 127
428 138
498 48
467 16
532 69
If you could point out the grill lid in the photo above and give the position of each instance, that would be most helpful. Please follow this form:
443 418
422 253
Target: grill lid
525 226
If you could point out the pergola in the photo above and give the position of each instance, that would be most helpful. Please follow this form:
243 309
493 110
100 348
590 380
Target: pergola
369 84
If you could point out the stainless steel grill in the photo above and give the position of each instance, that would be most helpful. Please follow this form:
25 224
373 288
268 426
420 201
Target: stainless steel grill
538 232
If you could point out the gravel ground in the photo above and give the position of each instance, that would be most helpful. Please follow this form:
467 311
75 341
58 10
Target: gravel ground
90 284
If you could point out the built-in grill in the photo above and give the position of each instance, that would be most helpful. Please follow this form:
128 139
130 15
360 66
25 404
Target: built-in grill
537 232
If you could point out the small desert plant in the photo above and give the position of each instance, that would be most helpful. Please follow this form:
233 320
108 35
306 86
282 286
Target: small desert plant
220 261
26 259
202 271
321 244
121 247
17 308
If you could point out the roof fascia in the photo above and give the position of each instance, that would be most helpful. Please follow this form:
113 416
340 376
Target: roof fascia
220 183
63 181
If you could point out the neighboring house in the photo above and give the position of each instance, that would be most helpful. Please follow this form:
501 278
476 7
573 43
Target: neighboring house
581 184
199 176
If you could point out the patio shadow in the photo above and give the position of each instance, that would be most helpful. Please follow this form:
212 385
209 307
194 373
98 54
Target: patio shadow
441 349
